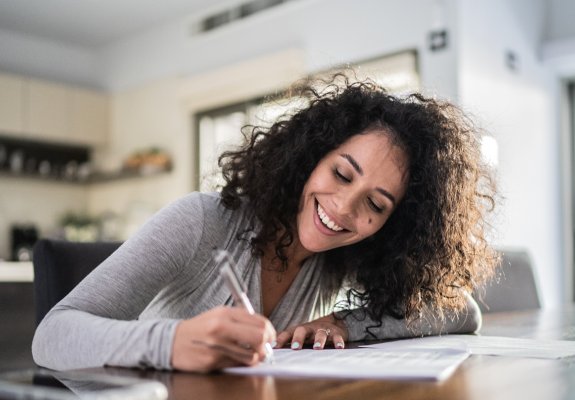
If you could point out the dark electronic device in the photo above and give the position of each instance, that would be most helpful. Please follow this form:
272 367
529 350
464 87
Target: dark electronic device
23 239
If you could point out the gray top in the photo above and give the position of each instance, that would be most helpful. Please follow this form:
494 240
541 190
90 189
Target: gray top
126 311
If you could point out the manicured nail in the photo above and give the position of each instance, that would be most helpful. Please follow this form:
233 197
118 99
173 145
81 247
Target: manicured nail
295 345
317 344
339 345
273 344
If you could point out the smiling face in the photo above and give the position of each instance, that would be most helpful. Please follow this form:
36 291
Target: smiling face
352 192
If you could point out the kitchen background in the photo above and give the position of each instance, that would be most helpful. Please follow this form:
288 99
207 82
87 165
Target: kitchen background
110 110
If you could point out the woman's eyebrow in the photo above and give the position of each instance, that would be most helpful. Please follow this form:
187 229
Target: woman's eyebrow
387 194
356 166
353 163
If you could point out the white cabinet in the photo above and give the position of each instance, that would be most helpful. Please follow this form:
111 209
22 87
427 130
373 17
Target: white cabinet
89 117
48 111
11 104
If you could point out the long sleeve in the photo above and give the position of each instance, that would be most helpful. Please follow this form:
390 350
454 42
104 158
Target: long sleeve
96 324
358 321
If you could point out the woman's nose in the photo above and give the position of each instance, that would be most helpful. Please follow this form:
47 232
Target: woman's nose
347 204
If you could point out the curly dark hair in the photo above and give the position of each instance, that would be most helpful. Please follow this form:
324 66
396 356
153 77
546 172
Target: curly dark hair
432 246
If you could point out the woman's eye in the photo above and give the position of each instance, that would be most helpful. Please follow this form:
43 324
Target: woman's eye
340 176
374 207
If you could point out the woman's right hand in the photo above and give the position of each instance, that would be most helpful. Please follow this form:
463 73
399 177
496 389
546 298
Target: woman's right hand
222 337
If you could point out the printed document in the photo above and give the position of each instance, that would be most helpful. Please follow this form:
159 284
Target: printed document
361 363
487 345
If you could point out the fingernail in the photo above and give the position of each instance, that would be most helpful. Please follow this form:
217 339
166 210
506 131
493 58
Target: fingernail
295 345
273 344
317 344
339 345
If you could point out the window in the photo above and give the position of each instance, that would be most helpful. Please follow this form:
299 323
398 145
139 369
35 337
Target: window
219 129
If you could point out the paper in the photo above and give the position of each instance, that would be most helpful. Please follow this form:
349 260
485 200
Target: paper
360 363
487 345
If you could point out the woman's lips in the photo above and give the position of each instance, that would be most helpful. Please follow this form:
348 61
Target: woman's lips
321 227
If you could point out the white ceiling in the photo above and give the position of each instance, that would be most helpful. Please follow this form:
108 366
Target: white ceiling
96 23
93 23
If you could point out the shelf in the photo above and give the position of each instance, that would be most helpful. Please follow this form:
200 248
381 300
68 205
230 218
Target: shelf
16 271
101 178
92 179
22 158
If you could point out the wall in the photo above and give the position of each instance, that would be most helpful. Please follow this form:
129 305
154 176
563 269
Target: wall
532 19
145 117
560 19
519 109
558 50
24 201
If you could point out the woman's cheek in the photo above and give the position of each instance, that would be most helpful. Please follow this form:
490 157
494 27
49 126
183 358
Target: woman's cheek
372 227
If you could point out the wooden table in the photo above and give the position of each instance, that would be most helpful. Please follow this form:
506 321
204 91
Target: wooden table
479 377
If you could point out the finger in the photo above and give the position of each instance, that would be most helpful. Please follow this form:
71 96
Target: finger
284 338
271 332
338 341
320 339
242 334
205 357
299 337
245 336
241 316
223 355
239 355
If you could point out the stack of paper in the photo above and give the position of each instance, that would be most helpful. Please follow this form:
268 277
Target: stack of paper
433 357
361 363
488 345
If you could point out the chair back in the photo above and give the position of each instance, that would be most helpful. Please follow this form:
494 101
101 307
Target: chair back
60 265
513 288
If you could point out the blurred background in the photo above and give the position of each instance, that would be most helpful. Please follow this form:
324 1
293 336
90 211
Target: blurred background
109 110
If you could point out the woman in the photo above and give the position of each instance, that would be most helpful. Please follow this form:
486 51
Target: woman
383 195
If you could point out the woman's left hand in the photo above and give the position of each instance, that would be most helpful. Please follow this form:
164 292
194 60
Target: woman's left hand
315 332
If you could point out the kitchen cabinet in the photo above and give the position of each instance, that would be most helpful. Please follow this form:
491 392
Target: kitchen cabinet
11 104
89 117
46 111
49 107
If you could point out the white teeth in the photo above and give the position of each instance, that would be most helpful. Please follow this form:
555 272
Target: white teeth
326 221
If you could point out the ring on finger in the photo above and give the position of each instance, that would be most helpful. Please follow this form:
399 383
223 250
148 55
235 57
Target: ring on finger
327 331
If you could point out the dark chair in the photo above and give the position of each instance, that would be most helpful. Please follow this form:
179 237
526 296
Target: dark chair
513 288
60 265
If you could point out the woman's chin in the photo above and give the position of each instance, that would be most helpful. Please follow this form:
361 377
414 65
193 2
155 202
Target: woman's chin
315 241
310 245
316 246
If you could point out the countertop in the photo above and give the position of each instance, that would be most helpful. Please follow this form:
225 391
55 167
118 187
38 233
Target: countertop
16 271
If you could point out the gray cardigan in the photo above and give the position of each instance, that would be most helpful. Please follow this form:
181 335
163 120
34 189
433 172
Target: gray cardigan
126 311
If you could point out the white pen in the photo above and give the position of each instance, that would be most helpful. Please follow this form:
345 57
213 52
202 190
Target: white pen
234 282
